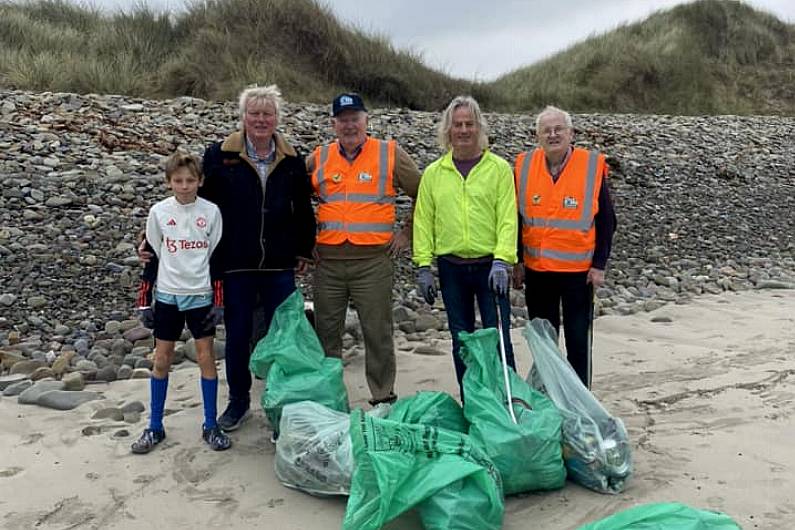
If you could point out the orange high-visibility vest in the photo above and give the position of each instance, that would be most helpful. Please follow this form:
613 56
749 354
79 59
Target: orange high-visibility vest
357 200
558 232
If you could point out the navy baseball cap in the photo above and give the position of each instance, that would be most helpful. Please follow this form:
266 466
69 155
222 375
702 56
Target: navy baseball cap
347 101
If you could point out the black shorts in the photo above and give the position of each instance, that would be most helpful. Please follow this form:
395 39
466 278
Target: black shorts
170 321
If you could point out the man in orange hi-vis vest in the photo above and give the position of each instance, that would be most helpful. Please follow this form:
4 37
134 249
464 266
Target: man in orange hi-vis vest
566 232
356 180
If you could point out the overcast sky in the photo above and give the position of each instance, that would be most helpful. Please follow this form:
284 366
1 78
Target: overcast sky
482 40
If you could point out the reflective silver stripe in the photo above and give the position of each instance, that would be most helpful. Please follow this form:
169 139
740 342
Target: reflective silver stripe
356 227
536 252
321 172
585 221
359 197
523 178
383 166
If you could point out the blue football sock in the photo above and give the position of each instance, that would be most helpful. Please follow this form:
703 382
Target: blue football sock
157 390
209 394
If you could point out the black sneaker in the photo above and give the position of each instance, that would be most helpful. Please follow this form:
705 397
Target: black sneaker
148 440
216 439
233 416
391 398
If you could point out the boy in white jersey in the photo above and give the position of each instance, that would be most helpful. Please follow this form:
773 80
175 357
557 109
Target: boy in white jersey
183 231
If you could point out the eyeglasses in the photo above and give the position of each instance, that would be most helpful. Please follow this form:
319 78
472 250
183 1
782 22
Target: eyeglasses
557 130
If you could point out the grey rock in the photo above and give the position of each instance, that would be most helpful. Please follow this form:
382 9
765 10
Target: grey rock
107 373
774 284
108 413
8 380
42 372
7 299
125 372
26 367
136 334
428 350
17 388
144 363
140 373
65 400
74 381
31 395
133 406
35 302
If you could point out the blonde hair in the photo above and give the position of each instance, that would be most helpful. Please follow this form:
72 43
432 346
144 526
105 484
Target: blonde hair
179 159
260 94
446 122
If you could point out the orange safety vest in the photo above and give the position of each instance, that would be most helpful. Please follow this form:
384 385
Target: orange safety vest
357 199
558 232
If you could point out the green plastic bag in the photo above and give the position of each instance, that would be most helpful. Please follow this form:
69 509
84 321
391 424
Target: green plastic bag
398 466
664 516
291 361
437 409
527 453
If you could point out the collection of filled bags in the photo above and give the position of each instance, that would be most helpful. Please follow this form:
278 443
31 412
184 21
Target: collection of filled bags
425 452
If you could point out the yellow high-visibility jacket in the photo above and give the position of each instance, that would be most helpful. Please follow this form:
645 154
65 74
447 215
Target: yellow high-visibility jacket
470 218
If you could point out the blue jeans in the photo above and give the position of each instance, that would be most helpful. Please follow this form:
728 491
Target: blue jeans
247 294
462 285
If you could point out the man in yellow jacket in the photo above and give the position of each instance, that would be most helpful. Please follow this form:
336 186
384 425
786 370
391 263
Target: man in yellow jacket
567 221
466 218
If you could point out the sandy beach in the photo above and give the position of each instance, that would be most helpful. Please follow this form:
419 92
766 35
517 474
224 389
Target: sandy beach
706 389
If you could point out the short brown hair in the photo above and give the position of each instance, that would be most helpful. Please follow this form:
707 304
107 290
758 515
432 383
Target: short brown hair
180 159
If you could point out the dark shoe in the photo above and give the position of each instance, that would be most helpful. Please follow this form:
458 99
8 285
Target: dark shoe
216 439
233 416
391 398
148 440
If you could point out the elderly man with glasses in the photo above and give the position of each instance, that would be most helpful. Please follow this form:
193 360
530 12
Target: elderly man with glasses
567 223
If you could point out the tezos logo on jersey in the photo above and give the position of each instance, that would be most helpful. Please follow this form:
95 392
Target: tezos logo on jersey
346 100
201 222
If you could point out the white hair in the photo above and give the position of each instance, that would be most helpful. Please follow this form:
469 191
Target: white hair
549 109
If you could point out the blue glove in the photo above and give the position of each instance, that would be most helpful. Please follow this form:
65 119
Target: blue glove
147 317
498 277
425 284
213 318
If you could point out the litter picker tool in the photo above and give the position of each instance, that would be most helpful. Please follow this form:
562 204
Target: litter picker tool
504 360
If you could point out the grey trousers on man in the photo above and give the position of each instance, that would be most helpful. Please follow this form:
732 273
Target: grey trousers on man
367 283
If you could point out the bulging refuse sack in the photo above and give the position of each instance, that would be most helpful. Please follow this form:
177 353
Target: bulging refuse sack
670 516
291 361
399 466
437 409
596 446
314 450
528 452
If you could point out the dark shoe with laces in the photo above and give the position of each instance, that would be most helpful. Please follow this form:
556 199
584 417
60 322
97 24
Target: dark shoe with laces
147 441
234 416
216 438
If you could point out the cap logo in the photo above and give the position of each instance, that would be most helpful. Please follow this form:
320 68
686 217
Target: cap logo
346 100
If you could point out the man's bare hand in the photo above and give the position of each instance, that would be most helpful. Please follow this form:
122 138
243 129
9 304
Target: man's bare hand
399 244
596 277
304 266
517 276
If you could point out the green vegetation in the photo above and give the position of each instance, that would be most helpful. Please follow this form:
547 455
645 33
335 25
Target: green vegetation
707 57
211 51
